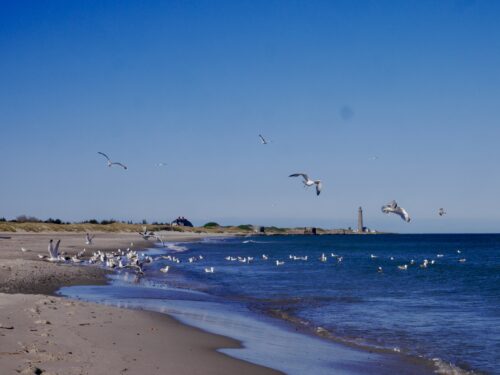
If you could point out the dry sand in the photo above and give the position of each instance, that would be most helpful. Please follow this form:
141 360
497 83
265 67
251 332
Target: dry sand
41 333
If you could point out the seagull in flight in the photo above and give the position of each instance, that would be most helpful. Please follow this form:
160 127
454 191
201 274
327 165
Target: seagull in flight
393 208
161 164
308 182
111 163
145 235
54 255
441 212
263 140
89 238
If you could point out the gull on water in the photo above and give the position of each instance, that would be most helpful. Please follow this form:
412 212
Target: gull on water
393 208
462 260
209 270
165 269
404 267
308 182
160 240
111 163
379 269
280 263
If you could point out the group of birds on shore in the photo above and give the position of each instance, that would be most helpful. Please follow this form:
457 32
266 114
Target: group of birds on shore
136 261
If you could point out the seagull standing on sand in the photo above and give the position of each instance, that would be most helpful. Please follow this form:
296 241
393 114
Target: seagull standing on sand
308 182
111 163
393 208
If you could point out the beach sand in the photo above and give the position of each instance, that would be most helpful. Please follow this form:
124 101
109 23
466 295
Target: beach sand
41 332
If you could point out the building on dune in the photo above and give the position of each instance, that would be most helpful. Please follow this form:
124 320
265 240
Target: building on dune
181 221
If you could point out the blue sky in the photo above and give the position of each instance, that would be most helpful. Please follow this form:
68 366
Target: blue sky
193 83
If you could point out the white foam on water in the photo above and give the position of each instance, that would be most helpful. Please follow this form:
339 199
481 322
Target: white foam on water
446 368
176 247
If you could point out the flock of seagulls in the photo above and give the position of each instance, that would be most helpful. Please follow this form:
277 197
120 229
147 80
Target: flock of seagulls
391 207
137 261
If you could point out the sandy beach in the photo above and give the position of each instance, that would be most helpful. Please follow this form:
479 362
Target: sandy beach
41 333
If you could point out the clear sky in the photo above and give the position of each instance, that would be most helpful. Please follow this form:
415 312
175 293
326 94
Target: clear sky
193 83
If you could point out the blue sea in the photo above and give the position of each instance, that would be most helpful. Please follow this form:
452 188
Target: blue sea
341 315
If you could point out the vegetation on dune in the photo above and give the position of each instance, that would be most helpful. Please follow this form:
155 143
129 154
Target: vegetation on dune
26 223
80 227
211 224
245 227
275 229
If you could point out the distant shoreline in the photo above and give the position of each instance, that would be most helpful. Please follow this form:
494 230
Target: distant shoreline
8 227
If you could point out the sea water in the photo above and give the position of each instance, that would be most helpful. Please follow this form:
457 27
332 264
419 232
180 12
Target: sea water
364 317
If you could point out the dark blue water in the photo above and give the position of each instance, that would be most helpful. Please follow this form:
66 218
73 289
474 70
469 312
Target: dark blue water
449 310
447 313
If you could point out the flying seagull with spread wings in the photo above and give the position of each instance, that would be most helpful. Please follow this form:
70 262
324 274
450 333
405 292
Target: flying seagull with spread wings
263 140
111 163
54 255
393 208
441 212
308 182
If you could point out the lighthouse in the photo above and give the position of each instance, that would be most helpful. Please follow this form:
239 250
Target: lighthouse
360 221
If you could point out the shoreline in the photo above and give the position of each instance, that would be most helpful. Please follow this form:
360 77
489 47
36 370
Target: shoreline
61 336
91 275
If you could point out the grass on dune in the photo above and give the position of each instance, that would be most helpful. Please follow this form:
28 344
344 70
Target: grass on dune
50 227
36 227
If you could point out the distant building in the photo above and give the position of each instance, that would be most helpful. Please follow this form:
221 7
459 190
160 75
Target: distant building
181 221
361 228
